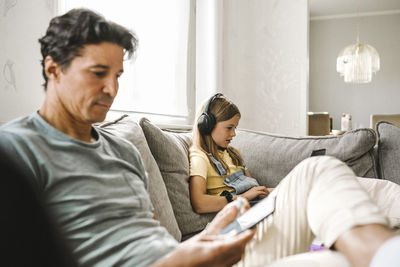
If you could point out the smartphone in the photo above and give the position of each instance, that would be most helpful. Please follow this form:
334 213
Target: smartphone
318 152
253 216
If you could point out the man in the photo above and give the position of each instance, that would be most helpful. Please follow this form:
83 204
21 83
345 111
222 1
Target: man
95 186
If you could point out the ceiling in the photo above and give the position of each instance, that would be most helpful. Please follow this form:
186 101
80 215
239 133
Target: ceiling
339 7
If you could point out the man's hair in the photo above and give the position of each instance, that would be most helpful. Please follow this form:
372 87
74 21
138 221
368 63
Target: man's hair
68 33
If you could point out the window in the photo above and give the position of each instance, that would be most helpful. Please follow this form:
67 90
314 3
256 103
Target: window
159 82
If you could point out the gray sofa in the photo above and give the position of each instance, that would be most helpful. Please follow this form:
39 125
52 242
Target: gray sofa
269 159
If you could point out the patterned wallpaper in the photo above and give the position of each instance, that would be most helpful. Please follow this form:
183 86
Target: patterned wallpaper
8 75
6 5
22 22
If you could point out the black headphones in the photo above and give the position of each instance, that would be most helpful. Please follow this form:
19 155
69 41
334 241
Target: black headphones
206 121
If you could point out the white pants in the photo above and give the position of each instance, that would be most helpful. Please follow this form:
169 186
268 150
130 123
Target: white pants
320 197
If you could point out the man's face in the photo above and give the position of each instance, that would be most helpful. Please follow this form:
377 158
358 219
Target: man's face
87 88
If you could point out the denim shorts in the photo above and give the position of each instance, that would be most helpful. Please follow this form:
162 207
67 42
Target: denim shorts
240 182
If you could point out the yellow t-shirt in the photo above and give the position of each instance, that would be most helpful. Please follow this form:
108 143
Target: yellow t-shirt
201 165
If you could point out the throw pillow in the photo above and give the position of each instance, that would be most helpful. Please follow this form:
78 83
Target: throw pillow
270 158
127 128
171 152
389 151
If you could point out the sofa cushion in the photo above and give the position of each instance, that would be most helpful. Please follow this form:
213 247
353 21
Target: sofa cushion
270 158
129 129
389 151
170 151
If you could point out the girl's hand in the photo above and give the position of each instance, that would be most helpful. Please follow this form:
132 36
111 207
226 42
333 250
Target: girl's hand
254 192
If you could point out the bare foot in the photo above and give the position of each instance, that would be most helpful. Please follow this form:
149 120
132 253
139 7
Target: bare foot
360 243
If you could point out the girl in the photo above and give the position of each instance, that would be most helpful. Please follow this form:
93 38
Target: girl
321 197
217 172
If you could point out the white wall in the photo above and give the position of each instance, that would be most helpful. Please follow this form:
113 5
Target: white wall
328 92
22 23
265 64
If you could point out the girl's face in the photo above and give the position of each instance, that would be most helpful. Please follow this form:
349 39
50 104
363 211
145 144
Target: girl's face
224 131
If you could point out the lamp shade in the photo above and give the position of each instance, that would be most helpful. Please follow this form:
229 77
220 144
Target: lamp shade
357 63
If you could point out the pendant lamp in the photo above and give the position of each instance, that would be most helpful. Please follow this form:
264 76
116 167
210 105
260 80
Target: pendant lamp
357 62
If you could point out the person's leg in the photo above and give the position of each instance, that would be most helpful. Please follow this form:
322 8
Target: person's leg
386 195
359 244
371 237
321 196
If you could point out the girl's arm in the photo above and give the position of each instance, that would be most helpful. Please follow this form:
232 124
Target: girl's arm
201 201
247 173
204 203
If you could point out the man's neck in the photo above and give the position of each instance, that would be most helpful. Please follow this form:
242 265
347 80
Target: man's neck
65 123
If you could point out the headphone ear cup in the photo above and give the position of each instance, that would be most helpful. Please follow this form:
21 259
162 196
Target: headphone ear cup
206 123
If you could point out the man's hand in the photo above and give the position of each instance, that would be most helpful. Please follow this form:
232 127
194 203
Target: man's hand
210 249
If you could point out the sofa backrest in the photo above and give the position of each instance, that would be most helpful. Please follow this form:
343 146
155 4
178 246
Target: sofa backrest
389 151
270 157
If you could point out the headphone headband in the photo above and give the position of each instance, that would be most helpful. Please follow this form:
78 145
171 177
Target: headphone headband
206 108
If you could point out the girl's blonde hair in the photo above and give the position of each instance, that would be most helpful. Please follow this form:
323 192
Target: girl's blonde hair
223 110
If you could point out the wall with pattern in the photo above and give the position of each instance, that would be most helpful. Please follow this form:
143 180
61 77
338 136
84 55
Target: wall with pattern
22 23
